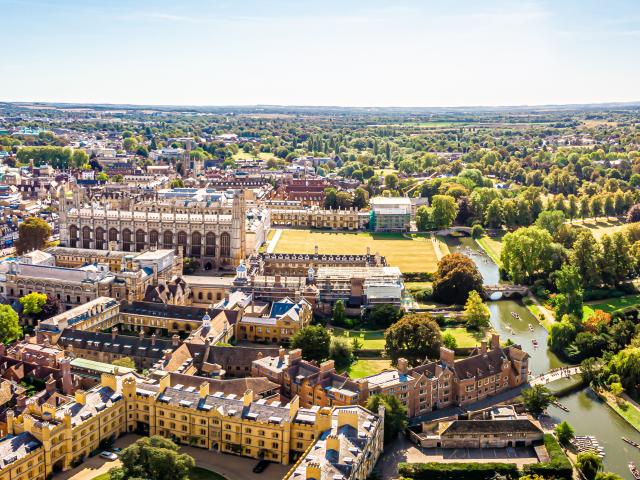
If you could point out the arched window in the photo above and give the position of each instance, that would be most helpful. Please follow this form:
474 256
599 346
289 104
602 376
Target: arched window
73 236
100 238
182 242
126 240
199 295
153 238
113 234
86 237
140 238
210 245
209 296
225 245
167 240
196 244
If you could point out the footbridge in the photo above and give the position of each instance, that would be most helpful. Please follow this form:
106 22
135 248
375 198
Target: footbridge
506 291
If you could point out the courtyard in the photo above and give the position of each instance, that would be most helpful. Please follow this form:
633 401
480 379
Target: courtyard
411 253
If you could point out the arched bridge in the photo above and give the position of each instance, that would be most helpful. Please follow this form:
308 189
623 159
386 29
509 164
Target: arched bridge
555 374
506 291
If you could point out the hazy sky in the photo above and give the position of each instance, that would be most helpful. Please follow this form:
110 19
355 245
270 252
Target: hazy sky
324 52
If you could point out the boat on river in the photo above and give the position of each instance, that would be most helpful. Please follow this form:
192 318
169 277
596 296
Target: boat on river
515 315
634 470
561 407
534 342
631 442
531 327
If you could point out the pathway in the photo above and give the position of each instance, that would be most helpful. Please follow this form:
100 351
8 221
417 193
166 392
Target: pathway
550 319
274 241
436 247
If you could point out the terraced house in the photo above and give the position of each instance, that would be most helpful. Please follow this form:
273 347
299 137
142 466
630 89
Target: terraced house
65 430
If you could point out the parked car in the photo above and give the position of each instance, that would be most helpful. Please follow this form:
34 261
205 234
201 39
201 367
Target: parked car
109 455
260 466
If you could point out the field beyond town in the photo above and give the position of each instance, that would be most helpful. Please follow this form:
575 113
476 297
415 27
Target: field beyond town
415 253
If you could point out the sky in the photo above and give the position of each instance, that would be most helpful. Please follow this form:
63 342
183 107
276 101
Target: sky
418 53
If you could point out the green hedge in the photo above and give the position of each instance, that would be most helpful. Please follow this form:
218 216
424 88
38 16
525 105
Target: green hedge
558 465
457 471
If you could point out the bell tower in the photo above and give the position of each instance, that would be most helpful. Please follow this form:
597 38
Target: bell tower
238 233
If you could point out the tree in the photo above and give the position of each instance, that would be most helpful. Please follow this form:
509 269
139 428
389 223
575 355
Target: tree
176 183
561 334
597 321
476 313
589 463
606 476
585 256
314 341
569 286
80 158
153 458
102 177
360 198
444 210
449 341
455 277
391 181
537 398
564 432
338 312
395 414
10 329
527 252
32 303
626 364
414 337
633 215
126 362
33 234
550 220
477 231
494 214
341 352
423 219
190 265
383 315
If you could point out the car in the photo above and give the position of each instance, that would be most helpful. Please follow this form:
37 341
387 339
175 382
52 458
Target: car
116 450
109 455
261 466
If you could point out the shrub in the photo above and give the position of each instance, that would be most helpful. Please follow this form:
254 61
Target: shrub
558 465
459 471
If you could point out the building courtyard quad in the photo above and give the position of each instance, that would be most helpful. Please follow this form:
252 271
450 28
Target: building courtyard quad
411 253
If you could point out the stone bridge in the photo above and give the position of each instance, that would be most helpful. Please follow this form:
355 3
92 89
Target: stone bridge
555 374
507 291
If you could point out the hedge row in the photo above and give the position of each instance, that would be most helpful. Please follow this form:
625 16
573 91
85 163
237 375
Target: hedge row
558 466
457 471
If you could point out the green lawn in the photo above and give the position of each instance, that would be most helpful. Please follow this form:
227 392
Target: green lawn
464 337
365 367
601 225
415 254
241 155
196 474
371 339
610 305
623 408
493 247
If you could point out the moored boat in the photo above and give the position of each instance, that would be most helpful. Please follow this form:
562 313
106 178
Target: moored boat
634 470
631 442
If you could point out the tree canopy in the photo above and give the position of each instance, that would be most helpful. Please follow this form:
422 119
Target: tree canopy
33 234
415 337
455 278
314 341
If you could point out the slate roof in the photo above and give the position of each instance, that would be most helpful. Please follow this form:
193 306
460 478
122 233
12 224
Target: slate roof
127 345
458 427
15 447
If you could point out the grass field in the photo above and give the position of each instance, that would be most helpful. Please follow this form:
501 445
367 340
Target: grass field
601 226
465 338
365 367
416 254
492 245
610 305
623 408
242 155
371 339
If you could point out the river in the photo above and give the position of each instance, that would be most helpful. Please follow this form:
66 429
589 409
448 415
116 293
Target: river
588 415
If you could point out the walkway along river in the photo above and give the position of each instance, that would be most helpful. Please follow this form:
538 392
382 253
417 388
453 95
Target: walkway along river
588 415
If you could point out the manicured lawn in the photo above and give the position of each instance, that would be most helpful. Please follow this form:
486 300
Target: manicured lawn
371 339
241 155
415 254
196 474
416 286
623 408
610 305
492 245
365 367
464 337
601 225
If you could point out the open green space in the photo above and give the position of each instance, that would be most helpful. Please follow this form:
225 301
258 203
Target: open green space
464 337
601 225
414 254
196 474
370 339
492 245
623 408
365 367
610 305
242 155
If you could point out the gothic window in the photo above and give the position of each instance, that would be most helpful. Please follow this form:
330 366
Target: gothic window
100 238
86 237
126 240
225 245
167 240
210 245
140 237
153 238
113 235
73 236
196 244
